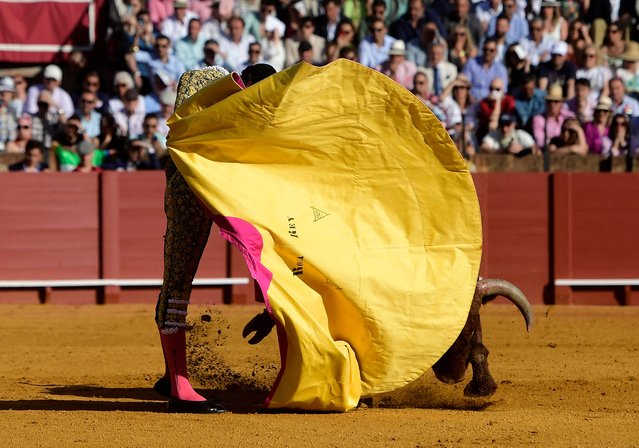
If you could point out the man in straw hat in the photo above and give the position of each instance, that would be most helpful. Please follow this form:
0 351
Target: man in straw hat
548 125
629 71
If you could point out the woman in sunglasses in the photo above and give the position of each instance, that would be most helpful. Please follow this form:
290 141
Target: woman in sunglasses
23 135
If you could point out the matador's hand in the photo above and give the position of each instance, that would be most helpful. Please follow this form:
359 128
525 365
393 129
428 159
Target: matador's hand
261 324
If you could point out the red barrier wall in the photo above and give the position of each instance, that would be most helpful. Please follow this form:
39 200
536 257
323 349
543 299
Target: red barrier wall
537 227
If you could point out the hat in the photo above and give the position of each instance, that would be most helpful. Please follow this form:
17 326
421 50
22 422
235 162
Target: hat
168 96
520 51
560 48
180 4
305 46
52 71
85 147
462 80
605 103
398 48
7 84
632 52
556 93
272 23
123 78
507 118
550 3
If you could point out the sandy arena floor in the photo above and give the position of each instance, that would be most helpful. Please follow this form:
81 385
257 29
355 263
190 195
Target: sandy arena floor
82 376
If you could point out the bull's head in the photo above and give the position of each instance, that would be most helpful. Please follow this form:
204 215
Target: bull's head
468 347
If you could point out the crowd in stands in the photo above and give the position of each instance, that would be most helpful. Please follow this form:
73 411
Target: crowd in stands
503 76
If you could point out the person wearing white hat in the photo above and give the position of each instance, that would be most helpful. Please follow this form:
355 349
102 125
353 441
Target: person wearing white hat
559 70
397 67
629 71
176 26
548 125
596 131
52 77
272 44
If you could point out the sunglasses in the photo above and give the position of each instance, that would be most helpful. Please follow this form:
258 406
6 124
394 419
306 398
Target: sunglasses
378 30
162 46
85 101
489 50
495 89
613 30
460 33
24 126
591 55
88 83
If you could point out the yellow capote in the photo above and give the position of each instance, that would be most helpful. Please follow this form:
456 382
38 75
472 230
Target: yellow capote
357 216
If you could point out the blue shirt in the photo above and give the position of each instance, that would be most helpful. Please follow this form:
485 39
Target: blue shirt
373 56
526 108
92 125
173 67
518 28
480 77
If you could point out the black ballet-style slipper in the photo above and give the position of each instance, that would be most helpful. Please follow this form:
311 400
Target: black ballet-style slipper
177 406
163 387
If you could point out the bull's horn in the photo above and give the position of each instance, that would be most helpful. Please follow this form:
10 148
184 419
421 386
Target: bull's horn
489 288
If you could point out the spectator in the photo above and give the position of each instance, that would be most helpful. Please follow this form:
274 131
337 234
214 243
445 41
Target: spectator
128 117
507 139
109 140
558 71
152 138
461 112
20 94
348 53
33 161
548 125
439 71
123 82
211 54
91 83
597 75
212 27
306 32
481 70
22 136
256 21
203 8
345 38
518 67
140 49
518 28
165 61
596 131
378 11
52 78
582 105
571 139
8 102
234 47
272 45
555 26
160 10
89 117
305 52
629 71
578 39
141 157
86 151
167 104
502 25
397 67
175 27
8 120
416 49
622 103
254 55
489 109
461 46
461 16
529 101
64 156
538 46
326 24
619 136
409 26
160 81
613 46
486 11
190 49
373 51
47 122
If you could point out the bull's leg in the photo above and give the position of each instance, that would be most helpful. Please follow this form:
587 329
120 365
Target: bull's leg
482 384
187 231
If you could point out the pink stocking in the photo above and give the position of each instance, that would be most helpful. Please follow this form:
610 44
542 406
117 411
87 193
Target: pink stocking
174 348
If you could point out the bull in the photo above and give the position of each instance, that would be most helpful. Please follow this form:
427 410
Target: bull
467 349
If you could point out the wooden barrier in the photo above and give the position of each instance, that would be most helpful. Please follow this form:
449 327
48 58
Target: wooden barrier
562 237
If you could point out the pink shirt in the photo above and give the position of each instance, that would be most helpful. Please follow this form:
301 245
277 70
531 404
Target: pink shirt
403 75
550 130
